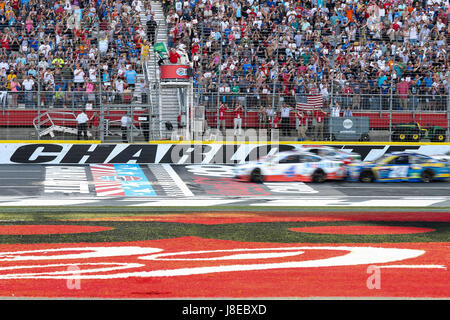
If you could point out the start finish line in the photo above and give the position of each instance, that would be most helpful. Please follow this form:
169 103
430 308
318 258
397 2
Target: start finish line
354 202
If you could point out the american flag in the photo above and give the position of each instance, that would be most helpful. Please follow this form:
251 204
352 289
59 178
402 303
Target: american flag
314 102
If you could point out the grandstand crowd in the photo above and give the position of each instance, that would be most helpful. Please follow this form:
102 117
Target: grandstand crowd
351 49
67 49
355 49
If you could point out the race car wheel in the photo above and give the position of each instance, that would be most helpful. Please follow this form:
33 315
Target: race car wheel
415 137
256 176
318 176
427 176
366 176
402 137
364 137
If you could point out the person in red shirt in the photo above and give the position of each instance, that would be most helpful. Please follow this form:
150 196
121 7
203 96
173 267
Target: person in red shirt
402 89
319 117
5 41
174 56
301 125
222 120
238 111
276 121
348 92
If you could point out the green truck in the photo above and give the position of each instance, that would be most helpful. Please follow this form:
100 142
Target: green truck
414 132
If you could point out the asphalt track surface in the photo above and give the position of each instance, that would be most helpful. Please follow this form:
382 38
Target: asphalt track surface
195 185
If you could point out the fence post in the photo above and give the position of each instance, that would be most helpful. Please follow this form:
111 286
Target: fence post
102 124
218 81
448 116
38 105
390 111
274 88
331 108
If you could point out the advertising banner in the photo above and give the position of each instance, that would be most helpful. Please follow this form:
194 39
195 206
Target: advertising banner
48 153
174 71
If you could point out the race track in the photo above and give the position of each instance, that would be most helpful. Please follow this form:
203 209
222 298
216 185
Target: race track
195 185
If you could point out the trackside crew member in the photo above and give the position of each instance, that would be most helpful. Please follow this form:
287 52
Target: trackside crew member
285 112
125 121
318 128
222 121
95 124
238 119
301 125
82 120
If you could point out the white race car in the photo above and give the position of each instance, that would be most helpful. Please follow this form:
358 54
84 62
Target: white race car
332 153
292 165
442 157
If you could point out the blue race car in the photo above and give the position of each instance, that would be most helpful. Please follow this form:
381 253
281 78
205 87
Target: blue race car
399 166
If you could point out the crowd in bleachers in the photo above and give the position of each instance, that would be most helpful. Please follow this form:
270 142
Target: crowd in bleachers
66 48
352 49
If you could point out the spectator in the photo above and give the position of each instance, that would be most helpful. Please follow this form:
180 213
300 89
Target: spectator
145 51
319 118
130 76
402 89
336 110
78 76
125 123
347 112
238 112
15 87
285 113
270 115
3 93
119 86
151 30
28 86
95 123
174 56
262 117
301 122
222 117
82 120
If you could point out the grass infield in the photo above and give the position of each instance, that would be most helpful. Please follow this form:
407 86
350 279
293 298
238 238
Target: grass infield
225 223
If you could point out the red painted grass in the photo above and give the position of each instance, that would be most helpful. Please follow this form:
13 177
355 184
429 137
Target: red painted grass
335 281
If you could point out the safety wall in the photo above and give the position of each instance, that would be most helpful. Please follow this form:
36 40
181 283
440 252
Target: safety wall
78 153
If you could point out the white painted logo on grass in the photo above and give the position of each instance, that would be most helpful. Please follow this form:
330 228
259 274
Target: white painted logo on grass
351 256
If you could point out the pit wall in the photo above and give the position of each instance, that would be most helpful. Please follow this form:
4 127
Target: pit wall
83 152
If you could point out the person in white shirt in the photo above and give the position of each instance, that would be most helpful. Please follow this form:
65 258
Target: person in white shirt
336 110
44 49
78 75
119 85
28 85
125 122
4 64
285 111
93 74
82 120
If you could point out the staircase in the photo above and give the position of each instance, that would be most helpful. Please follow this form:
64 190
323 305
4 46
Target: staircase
169 108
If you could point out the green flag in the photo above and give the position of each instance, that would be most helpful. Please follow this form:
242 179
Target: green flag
160 47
